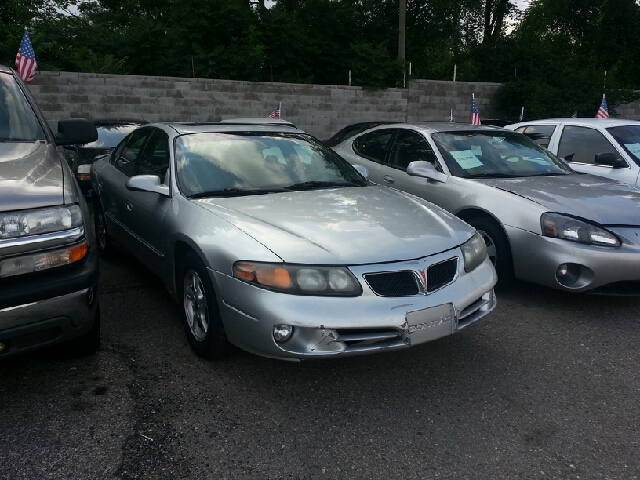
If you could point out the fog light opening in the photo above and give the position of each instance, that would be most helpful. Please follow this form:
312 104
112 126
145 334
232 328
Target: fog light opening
3 347
568 274
282 333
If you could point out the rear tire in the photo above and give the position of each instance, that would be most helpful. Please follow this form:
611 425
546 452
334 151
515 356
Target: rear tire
498 249
105 244
202 322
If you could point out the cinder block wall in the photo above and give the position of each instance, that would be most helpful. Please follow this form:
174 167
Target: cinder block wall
319 109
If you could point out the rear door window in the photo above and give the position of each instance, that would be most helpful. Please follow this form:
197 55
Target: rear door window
541 134
374 145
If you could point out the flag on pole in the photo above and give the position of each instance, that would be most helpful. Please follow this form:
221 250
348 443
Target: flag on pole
574 114
603 111
521 117
276 112
26 58
475 115
451 116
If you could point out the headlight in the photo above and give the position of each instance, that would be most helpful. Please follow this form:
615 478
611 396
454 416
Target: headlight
560 226
299 279
35 222
474 251
42 261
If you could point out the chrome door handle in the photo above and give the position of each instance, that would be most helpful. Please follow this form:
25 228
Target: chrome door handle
389 179
128 206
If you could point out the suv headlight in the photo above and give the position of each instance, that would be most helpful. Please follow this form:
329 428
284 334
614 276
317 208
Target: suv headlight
560 226
299 279
474 251
36 222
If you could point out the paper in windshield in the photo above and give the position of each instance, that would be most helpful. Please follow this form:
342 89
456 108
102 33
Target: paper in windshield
466 159
634 148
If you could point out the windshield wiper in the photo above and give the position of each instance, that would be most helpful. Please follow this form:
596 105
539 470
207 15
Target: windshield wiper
494 175
318 184
235 192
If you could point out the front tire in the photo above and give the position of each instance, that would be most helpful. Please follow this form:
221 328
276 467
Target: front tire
202 322
105 244
498 249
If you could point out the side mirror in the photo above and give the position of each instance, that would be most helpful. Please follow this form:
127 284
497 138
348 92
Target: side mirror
147 183
611 160
426 170
362 170
569 158
76 131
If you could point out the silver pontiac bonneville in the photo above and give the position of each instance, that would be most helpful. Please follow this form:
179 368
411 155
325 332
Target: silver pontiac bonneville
542 221
275 244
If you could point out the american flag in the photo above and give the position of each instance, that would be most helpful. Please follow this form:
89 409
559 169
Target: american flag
603 111
521 117
276 112
26 59
574 114
475 115
451 116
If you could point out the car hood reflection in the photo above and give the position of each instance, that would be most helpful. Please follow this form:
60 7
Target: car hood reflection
343 225
604 201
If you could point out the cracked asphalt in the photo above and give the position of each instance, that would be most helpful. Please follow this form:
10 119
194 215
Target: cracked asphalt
547 386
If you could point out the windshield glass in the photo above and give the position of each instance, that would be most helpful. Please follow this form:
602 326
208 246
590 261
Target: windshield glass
109 136
478 154
225 164
18 123
629 137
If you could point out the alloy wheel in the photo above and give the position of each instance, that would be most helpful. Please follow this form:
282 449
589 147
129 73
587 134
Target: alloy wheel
195 305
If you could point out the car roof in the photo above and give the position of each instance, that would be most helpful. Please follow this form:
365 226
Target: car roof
118 121
257 121
219 127
589 122
435 126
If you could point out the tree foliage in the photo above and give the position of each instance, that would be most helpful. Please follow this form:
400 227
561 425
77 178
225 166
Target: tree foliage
551 59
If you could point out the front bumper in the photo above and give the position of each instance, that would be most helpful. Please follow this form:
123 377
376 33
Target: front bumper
49 307
536 259
342 326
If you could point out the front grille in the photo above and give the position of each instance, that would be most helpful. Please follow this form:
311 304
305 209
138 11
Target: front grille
393 284
441 274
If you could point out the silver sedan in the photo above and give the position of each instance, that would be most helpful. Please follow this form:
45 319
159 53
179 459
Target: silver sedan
542 221
275 244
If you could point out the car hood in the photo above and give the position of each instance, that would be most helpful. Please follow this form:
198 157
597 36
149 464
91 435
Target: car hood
31 176
352 225
599 199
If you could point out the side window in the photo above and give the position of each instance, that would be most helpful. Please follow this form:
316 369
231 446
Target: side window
582 144
408 147
541 134
155 156
125 157
374 145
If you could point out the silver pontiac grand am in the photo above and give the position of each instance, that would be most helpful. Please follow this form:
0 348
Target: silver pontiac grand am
275 244
542 221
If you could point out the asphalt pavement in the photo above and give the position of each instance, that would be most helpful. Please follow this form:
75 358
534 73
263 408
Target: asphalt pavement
546 386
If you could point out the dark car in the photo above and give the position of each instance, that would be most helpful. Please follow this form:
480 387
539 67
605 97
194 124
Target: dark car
48 256
110 133
351 130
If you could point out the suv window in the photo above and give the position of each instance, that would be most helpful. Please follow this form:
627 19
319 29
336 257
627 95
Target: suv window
17 120
374 145
582 144
541 134
125 157
408 147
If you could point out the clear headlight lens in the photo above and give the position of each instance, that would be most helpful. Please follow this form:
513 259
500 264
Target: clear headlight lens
474 251
560 226
299 279
35 222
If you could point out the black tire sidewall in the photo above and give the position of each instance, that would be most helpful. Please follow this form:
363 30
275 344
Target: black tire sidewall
215 344
504 261
106 252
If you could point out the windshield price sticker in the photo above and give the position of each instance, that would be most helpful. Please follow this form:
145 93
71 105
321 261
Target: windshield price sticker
634 148
466 159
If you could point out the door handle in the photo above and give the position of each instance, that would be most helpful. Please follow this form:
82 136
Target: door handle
389 179
128 206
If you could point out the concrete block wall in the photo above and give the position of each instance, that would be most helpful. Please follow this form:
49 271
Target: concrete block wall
318 109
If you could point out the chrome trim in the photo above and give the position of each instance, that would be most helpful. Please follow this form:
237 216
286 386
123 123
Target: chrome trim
32 243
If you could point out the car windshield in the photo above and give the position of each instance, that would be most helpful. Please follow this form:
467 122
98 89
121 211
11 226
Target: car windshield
496 154
232 164
628 136
18 123
109 136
